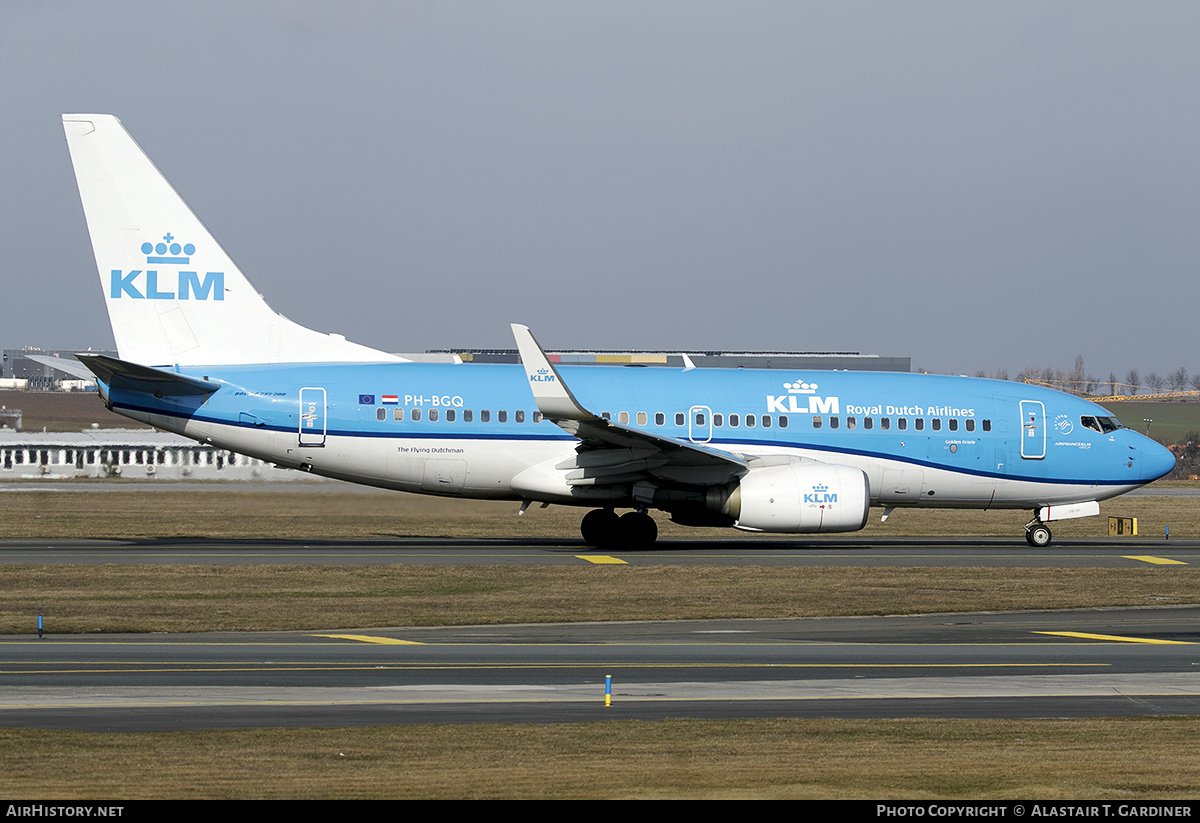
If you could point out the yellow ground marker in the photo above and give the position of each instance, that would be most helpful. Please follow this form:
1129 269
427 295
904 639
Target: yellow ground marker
601 558
366 638
1086 636
1158 561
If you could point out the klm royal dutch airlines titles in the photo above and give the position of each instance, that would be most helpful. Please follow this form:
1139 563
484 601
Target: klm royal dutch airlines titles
203 355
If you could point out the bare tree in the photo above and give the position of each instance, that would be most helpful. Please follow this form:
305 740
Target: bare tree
1177 379
1112 383
1134 380
1076 377
1155 382
1001 373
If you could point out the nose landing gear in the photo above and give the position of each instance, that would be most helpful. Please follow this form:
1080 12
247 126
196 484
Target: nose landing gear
1037 534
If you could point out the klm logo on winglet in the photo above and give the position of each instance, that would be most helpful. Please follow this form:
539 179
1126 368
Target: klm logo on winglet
787 403
541 376
140 284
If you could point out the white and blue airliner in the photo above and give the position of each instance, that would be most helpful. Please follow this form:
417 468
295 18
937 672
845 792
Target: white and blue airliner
791 452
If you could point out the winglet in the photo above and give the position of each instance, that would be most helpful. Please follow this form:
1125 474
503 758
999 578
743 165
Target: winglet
554 400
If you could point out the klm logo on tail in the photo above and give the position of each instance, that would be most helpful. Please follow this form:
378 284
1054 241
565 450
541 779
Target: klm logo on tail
139 284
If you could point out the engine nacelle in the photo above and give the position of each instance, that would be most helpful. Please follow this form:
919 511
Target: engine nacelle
801 498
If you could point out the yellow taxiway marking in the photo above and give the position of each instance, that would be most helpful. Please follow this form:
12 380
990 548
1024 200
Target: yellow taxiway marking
366 638
600 558
1158 561
1119 639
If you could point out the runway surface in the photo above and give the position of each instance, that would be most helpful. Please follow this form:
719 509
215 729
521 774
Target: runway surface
788 551
1106 662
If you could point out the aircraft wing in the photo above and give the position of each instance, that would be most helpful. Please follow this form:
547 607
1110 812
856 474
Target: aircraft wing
610 452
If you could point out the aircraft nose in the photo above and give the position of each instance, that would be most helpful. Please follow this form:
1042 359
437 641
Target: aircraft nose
1156 460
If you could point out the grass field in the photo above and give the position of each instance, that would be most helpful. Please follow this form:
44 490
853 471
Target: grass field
1172 418
1124 760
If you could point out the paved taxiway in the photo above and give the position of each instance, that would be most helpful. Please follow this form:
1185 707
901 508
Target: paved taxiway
762 551
1027 664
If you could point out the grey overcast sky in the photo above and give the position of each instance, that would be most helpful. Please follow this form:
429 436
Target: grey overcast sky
975 185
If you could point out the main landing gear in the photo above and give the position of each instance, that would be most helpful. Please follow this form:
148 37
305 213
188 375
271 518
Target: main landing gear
603 529
1037 534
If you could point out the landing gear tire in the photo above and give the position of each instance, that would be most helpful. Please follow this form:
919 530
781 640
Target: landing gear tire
599 527
1038 536
637 530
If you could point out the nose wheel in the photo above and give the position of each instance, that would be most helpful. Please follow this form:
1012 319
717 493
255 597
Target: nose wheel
1037 534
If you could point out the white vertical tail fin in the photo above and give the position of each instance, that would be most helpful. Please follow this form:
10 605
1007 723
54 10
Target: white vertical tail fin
173 294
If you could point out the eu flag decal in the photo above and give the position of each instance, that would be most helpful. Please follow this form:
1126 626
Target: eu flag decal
366 400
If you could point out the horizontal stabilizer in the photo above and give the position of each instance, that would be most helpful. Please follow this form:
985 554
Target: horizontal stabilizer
62 364
132 377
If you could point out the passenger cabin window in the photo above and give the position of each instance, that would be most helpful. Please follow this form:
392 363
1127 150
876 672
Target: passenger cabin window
734 420
902 423
987 425
718 419
783 421
851 423
641 418
659 418
833 422
936 423
885 423
468 415
868 422
970 425
919 424
398 414
433 415
502 416
679 419
416 415
750 421
381 413
623 418
766 421
816 421
450 415
485 416
520 415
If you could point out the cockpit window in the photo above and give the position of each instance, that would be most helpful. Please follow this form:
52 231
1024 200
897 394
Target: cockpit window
1101 424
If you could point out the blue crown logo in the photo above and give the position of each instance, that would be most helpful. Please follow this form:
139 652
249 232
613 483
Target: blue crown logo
820 487
158 253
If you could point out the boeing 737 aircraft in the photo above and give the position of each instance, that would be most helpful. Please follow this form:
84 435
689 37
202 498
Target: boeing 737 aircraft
792 452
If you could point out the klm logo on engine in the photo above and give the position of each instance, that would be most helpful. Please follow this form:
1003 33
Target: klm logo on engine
802 398
151 284
820 494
